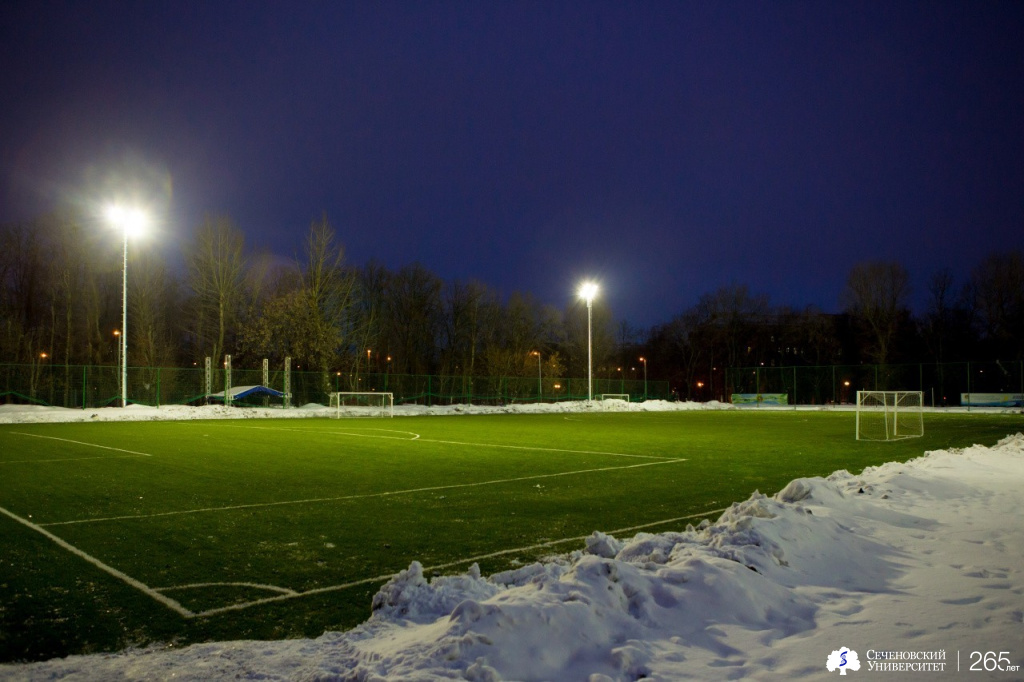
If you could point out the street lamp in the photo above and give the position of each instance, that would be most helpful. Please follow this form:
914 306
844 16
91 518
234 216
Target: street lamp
117 354
587 292
644 360
130 221
540 376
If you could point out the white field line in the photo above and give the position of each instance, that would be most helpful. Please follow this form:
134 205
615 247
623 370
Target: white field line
387 493
418 439
415 436
256 586
70 459
141 587
131 453
437 567
533 447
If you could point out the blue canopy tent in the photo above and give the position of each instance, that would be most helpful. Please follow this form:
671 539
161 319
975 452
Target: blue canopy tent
243 392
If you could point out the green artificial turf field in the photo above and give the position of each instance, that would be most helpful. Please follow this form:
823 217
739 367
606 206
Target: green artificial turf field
118 534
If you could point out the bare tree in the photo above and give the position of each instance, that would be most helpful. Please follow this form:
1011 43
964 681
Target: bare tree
216 268
876 294
732 315
413 318
468 312
998 286
328 288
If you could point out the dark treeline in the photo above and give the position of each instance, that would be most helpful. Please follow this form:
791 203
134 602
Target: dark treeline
60 302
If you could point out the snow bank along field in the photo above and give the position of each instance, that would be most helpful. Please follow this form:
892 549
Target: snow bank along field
570 544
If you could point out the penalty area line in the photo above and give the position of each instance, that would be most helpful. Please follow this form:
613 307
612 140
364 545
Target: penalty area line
131 453
123 577
438 567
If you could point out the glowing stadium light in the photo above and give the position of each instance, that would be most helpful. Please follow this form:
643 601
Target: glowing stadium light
132 222
588 290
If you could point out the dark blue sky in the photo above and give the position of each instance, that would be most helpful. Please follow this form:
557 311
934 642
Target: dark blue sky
663 148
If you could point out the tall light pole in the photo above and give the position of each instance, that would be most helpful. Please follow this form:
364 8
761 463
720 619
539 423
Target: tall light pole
644 360
130 221
587 292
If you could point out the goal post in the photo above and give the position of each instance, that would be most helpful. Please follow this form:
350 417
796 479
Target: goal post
614 396
889 415
362 404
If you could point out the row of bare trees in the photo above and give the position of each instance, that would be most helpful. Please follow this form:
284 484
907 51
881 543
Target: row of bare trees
981 318
60 299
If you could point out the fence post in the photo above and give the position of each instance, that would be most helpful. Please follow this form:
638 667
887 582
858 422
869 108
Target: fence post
227 380
85 382
158 387
208 379
968 385
287 382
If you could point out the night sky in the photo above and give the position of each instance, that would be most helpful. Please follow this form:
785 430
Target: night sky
665 149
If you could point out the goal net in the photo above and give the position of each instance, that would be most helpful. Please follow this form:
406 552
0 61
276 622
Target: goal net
614 396
889 415
355 404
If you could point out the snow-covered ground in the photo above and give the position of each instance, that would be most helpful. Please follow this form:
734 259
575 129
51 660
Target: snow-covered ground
24 414
908 569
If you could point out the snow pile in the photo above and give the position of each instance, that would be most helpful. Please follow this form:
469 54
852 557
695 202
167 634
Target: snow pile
569 406
24 414
921 558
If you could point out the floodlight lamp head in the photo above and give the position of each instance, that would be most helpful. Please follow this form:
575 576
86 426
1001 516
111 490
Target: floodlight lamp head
132 220
588 290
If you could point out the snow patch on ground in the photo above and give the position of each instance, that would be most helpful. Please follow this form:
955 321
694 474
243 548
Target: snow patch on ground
24 414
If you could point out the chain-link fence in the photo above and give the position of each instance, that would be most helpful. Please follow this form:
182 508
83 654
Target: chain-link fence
941 383
87 386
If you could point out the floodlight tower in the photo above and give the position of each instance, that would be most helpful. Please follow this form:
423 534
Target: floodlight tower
129 221
587 292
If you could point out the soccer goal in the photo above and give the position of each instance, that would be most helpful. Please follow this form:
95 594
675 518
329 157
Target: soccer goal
614 396
356 404
889 415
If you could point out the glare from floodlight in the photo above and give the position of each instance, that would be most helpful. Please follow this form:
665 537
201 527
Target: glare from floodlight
588 290
130 219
